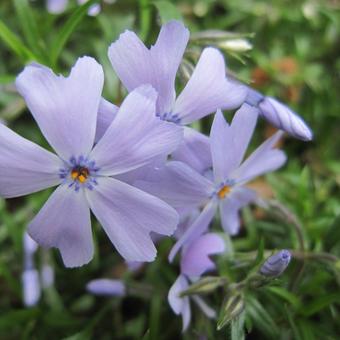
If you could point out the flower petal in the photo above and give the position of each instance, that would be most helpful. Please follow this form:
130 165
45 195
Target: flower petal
106 114
194 151
264 159
229 142
128 215
230 207
136 65
136 136
25 167
64 222
208 89
199 226
56 6
64 108
207 310
178 185
107 287
195 259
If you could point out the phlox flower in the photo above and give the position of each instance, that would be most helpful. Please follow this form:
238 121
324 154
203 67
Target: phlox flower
66 112
221 187
195 261
59 6
207 90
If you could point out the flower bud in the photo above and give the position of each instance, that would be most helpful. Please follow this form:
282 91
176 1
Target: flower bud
276 264
282 117
205 285
279 115
236 45
231 308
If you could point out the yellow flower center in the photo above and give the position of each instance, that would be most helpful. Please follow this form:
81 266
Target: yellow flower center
223 192
80 174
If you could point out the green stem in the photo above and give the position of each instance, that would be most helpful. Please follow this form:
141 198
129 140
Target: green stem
145 18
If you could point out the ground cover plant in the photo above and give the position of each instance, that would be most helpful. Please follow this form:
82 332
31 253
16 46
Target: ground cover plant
169 169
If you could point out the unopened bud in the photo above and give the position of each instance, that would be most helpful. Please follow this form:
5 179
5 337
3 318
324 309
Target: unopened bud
236 45
205 285
276 264
231 308
279 115
282 117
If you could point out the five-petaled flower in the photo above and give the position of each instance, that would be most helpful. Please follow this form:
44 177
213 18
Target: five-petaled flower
66 112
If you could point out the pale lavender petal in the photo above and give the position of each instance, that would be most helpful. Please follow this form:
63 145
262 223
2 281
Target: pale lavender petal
30 246
199 226
106 114
282 117
128 215
207 310
208 89
186 316
64 222
56 6
229 142
64 108
25 167
30 287
230 207
180 305
136 65
143 173
195 259
178 185
194 151
135 137
264 159
167 54
107 287
187 218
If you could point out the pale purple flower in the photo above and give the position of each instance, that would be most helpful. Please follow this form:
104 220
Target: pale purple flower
106 287
223 188
181 305
195 261
66 112
279 115
31 289
207 90
276 264
59 6
56 6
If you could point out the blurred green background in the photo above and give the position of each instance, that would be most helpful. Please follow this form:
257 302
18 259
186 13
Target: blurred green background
284 48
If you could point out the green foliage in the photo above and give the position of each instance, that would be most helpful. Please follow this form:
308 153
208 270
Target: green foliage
295 57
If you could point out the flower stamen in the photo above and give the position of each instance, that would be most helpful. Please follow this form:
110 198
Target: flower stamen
224 192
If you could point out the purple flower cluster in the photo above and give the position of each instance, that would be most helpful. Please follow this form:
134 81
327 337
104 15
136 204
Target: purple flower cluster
137 167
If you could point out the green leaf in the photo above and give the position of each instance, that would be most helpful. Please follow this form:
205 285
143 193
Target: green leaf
237 327
67 30
261 318
286 295
167 11
15 44
28 24
319 303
